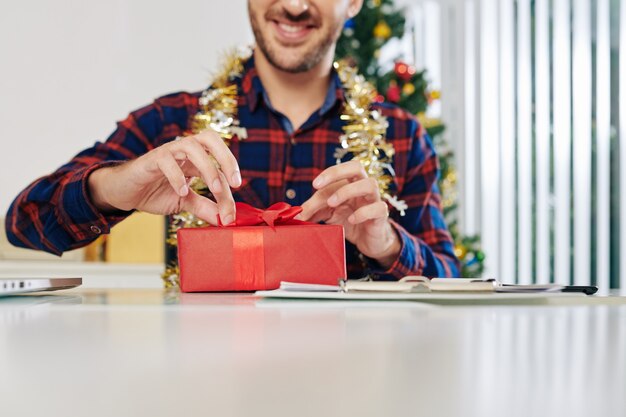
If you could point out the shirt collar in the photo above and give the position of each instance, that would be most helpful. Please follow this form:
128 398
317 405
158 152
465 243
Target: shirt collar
253 89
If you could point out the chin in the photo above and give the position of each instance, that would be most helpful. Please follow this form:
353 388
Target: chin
292 65
293 61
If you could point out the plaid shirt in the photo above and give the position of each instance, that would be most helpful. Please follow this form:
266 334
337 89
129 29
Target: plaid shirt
55 213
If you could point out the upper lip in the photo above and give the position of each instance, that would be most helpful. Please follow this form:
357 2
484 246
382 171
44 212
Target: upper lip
292 23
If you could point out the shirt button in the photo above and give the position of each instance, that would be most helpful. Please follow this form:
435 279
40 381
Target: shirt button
291 193
96 230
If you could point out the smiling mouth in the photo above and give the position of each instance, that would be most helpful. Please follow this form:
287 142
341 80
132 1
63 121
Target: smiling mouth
291 32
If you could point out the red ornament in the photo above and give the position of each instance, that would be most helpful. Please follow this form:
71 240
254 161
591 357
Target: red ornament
404 71
393 92
379 98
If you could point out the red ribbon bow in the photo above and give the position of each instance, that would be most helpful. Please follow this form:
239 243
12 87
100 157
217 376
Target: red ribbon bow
279 214
249 265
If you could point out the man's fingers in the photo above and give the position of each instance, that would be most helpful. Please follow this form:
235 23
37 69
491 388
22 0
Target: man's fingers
200 207
224 197
175 176
192 156
191 171
346 171
197 155
374 211
323 215
366 188
222 154
225 201
317 202
338 215
312 206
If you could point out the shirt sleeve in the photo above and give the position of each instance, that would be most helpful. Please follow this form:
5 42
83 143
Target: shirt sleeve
55 213
427 246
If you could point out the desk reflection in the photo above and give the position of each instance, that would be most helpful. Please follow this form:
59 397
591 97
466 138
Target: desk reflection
176 353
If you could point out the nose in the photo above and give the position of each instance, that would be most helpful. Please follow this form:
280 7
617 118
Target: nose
295 7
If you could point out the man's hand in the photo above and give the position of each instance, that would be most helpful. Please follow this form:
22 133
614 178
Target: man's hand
158 182
346 195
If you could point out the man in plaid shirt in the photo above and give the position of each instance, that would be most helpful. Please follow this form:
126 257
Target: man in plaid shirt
290 101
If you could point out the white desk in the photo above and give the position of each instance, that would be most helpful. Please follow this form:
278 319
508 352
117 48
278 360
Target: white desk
148 353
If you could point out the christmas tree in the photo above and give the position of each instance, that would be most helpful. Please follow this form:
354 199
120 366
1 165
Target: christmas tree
361 42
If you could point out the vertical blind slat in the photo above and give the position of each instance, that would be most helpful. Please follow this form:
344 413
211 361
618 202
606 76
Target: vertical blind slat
622 131
470 204
542 141
524 142
420 37
603 140
562 139
507 141
489 134
581 96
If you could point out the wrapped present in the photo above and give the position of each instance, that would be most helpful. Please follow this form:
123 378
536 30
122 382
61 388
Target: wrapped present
258 251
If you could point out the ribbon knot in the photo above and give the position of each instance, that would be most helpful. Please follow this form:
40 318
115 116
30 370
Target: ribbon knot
279 214
270 217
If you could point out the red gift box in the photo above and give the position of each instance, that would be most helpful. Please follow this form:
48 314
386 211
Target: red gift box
258 251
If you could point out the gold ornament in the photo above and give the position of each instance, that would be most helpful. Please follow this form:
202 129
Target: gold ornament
408 89
435 95
428 122
448 188
382 30
363 138
460 251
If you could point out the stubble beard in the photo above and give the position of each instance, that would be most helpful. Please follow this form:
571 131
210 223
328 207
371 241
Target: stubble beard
309 59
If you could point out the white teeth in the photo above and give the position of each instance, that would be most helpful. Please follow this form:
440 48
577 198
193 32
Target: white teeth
290 28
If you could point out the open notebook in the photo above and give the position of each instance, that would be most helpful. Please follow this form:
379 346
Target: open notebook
421 288
417 284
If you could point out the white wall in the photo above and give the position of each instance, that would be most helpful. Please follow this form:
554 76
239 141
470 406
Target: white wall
69 69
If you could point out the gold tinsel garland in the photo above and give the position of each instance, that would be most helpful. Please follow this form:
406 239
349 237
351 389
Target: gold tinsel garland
365 131
218 104
218 111
363 138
